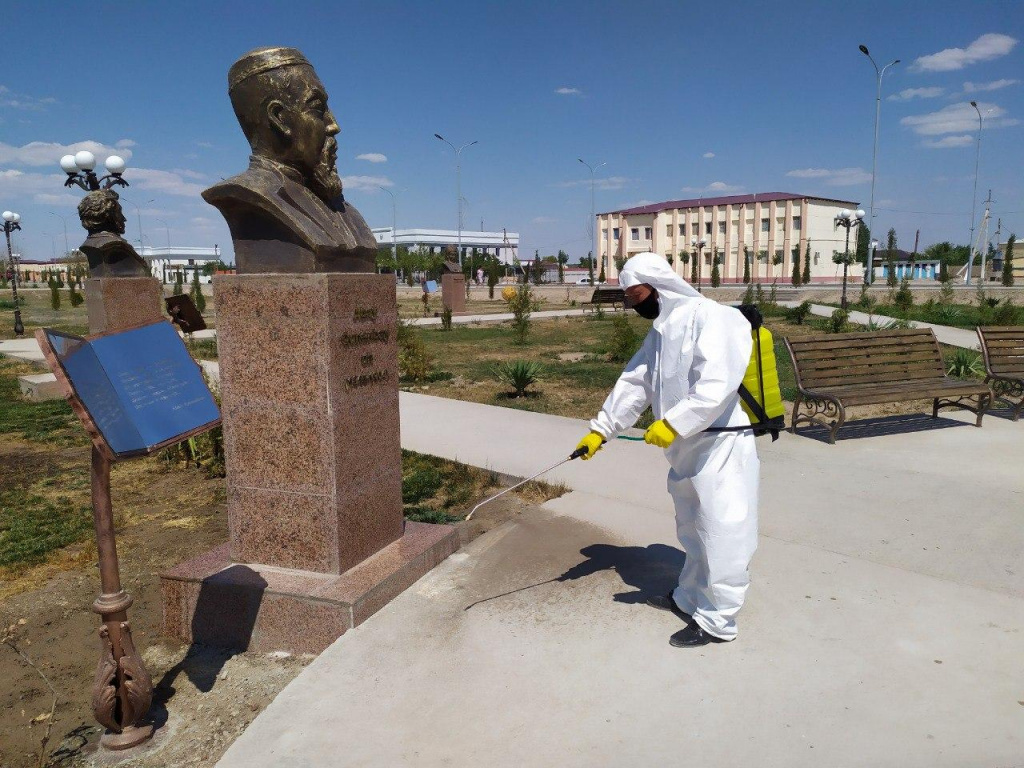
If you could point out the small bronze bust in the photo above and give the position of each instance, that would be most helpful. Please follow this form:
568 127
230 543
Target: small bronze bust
287 213
109 254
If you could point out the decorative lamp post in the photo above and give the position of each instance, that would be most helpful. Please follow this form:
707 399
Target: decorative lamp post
458 184
79 168
592 229
64 221
847 219
699 245
12 221
874 153
974 199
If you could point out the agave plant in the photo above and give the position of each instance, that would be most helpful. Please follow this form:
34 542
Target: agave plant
518 374
964 364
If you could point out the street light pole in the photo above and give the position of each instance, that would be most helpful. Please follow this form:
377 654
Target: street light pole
394 225
458 185
847 218
12 221
874 153
699 245
974 199
138 216
167 232
591 227
64 221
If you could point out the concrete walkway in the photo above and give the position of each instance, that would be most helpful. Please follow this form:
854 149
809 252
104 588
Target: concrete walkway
884 626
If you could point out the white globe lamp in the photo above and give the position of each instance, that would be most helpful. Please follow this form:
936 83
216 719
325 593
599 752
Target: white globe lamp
85 160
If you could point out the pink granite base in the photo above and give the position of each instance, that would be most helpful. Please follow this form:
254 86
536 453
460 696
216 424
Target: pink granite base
214 601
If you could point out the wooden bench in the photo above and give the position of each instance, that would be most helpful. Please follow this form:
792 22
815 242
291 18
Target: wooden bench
606 295
834 372
1003 350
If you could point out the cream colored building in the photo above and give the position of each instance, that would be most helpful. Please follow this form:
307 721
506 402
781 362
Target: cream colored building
768 224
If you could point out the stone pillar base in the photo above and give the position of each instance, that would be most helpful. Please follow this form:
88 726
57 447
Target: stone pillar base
118 303
453 292
214 601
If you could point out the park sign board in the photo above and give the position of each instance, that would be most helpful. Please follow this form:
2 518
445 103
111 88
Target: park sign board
136 391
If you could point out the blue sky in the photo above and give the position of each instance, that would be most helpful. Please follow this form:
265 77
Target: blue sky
677 98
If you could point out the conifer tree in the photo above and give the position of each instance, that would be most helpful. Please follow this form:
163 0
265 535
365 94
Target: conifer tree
795 253
805 278
197 292
746 265
890 259
1008 261
716 275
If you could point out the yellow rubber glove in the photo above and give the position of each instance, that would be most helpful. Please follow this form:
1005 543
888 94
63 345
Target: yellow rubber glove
592 443
660 433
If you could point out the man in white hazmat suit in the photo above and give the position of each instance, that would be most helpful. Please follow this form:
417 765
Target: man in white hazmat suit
689 370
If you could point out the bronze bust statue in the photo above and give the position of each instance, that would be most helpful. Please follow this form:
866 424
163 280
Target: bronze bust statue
286 212
109 254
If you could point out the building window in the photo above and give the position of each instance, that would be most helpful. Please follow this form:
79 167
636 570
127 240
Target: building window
604 233
764 225
796 223
634 233
682 230
647 233
668 230
707 259
615 233
707 227
816 255
721 227
693 229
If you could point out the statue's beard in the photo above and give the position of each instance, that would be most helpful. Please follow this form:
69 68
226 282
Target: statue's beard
326 183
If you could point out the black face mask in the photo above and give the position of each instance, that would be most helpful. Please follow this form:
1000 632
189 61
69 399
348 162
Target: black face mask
649 307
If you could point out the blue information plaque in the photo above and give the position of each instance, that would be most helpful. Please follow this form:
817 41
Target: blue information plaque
136 391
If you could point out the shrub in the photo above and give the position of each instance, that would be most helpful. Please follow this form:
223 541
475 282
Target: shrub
196 292
521 305
903 298
414 362
54 295
421 484
839 322
964 364
1006 314
748 295
625 341
866 300
492 280
446 318
799 314
946 292
518 374
508 293
74 297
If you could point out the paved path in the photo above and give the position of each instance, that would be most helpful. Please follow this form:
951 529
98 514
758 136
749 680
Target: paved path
885 624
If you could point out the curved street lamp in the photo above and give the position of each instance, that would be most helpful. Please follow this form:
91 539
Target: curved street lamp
874 153
12 221
458 183
79 168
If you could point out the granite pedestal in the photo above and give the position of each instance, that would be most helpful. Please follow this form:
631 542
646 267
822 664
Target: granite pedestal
317 540
453 292
118 303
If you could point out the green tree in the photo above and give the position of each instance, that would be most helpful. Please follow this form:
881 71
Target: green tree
716 275
746 265
54 294
74 297
795 255
601 277
590 266
943 271
805 278
197 292
776 261
693 268
538 270
563 259
179 286
863 244
1008 261
521 306
493 274
890 259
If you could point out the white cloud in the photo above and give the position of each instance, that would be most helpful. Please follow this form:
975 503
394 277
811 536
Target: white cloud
995 85
204 144
917 93
45 198
44 188
564 91
605 184
370 183
203 223
957 118
837 177
950 141
708 155
125 144
166 182
50 153
543 220
985 48
373 157
717 187
190 174
9 98
635 204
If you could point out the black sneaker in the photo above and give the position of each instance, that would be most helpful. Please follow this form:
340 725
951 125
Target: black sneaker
667 603
692 636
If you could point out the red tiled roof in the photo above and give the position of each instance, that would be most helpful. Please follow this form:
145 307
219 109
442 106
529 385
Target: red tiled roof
696 202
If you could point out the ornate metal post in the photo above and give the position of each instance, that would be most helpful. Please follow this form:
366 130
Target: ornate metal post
12 221
122 689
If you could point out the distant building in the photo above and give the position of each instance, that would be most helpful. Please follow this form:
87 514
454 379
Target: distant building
504 245
766 223
165 263
906 265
